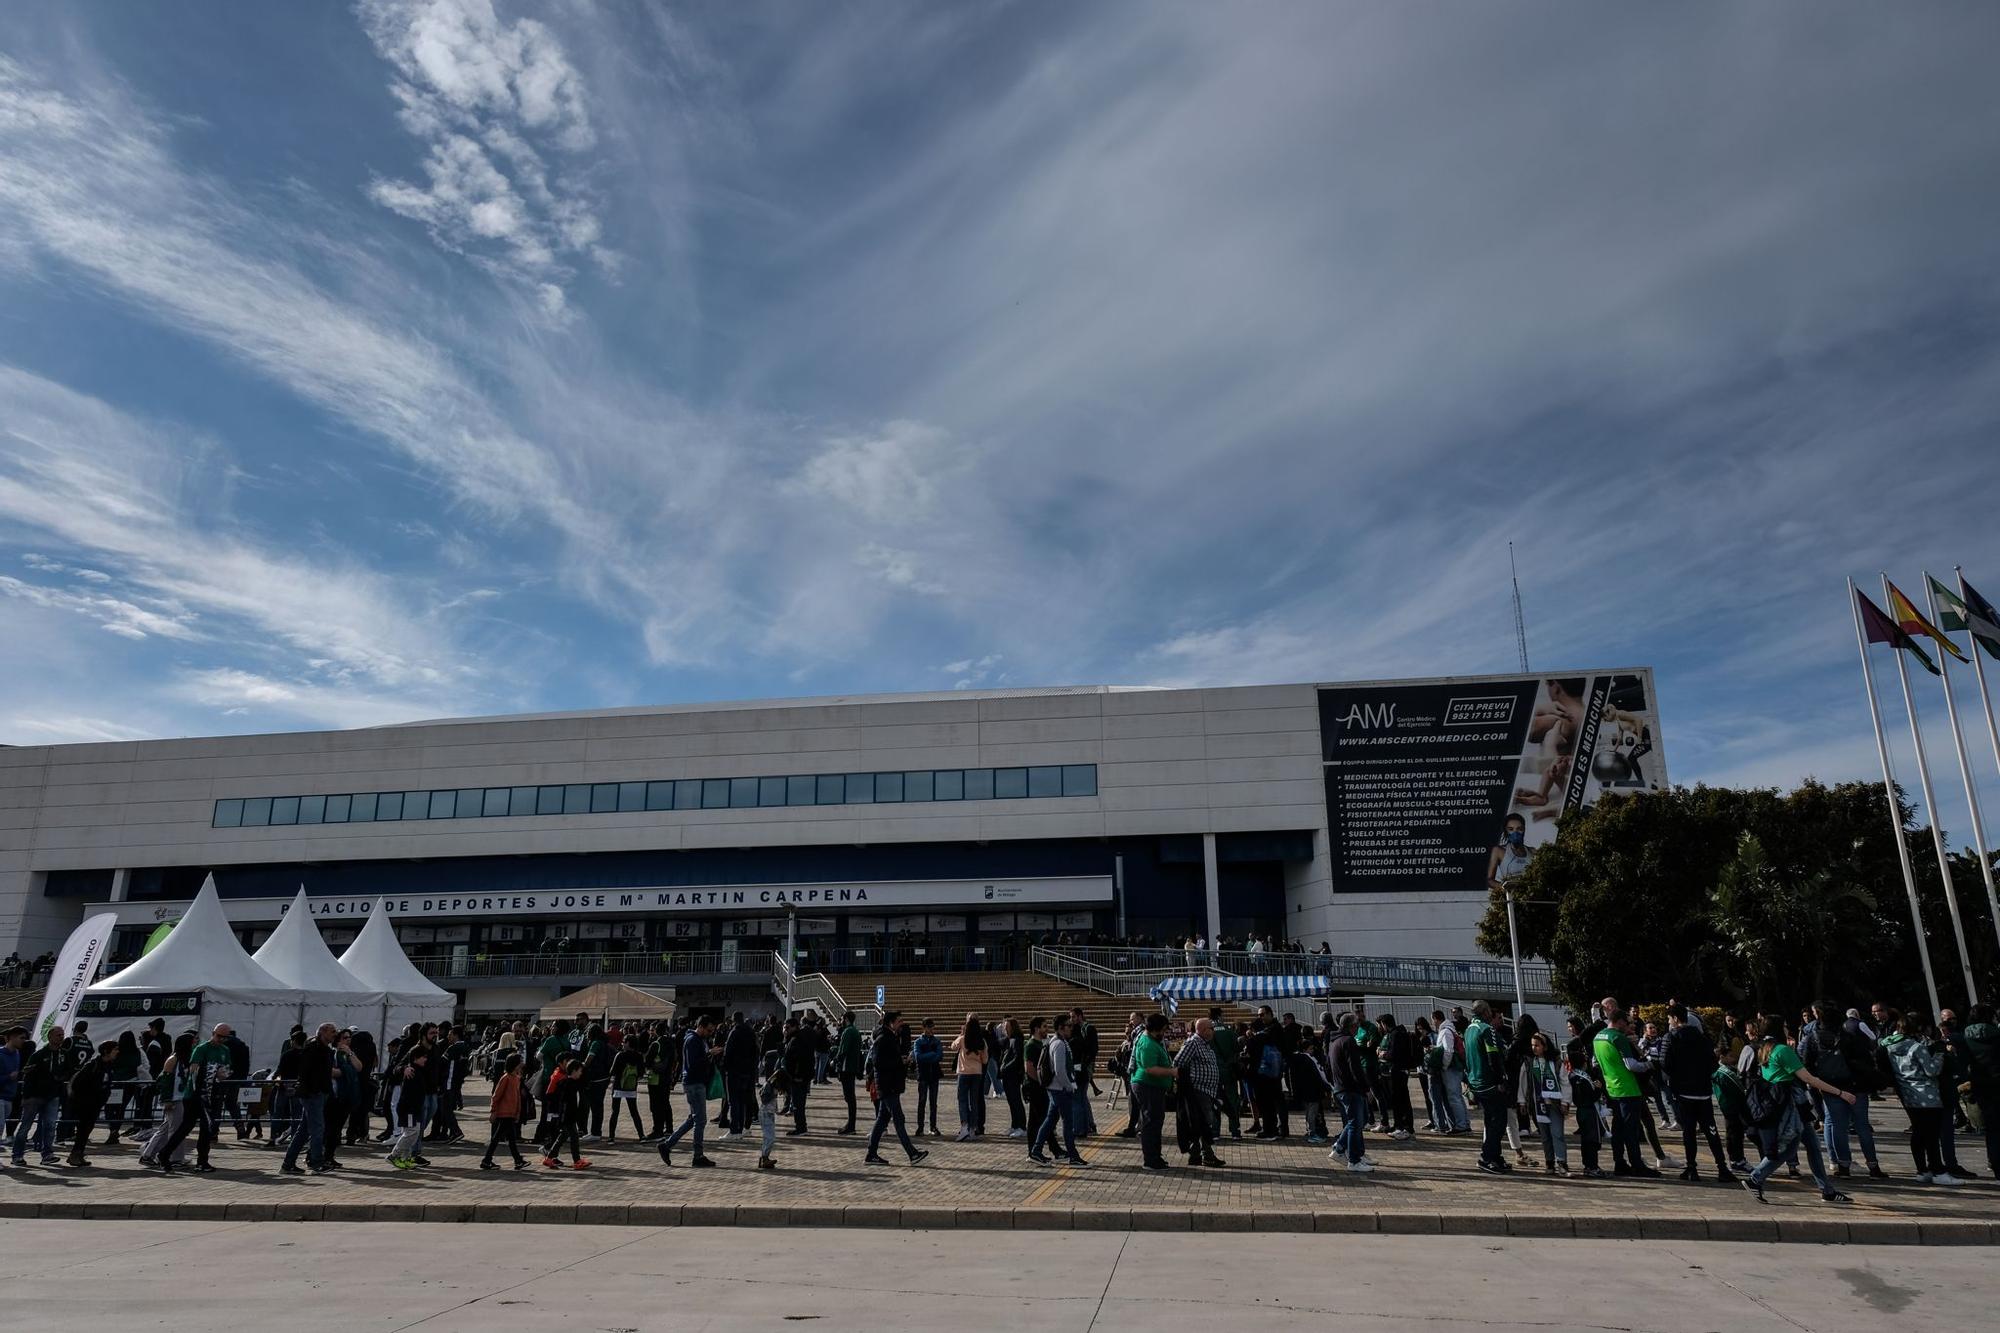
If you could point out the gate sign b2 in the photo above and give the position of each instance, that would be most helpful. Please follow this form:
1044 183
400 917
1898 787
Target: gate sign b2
881 997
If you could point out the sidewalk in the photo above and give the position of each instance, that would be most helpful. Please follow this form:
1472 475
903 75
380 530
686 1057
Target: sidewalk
1427 1185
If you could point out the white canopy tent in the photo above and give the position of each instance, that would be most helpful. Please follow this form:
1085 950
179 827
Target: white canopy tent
199 973
298 957
1220 989
377 961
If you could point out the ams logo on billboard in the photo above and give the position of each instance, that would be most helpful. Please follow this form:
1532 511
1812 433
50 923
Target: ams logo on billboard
1370 717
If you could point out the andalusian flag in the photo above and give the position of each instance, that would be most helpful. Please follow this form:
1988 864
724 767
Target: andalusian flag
1880 629
1971 613
1913 622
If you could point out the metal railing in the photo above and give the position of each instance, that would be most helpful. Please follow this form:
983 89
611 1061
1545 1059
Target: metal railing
751 964
1136 971
995 957
1074 967
816 990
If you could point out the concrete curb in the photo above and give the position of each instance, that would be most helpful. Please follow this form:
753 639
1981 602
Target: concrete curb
1813 1229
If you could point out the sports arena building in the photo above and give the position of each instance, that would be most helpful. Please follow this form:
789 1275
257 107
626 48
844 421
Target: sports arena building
1363 814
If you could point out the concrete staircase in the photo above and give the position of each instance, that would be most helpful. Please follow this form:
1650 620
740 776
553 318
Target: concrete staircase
21 1005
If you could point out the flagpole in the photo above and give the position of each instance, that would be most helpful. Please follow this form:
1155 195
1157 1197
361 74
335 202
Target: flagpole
1979 670
1964 768
1895 808
1937 829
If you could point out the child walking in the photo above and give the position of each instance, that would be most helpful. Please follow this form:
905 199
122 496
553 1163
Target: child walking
776 1083
1550 1087
505 1113
562 1107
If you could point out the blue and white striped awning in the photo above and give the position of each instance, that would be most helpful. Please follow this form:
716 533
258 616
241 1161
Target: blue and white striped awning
1226 989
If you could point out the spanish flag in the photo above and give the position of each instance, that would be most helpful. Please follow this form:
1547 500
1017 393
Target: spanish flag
1880 629
1913 622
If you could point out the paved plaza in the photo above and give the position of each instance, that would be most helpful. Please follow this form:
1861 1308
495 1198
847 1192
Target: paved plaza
223 1276
1427 1184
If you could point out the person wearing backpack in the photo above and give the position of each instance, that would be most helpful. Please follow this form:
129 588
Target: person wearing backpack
1034 1078
1775 1100
1726 1086
1059 1067
1845 1057
1449 1075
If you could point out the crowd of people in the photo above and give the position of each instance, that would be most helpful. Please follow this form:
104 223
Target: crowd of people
1751 1092
17 972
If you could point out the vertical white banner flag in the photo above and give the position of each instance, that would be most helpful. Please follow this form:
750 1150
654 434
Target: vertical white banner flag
76 968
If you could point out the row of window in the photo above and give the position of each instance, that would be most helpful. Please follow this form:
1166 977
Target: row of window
604 798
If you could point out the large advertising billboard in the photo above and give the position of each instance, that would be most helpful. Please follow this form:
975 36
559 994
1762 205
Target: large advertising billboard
1453 784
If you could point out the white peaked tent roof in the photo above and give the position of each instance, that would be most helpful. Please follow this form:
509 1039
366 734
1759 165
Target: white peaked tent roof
378 962
297 956
199 952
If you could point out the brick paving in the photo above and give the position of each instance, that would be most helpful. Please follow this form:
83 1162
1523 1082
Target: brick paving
1428 1184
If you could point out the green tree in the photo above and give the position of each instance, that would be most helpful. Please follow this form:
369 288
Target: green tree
1660 894
1779 927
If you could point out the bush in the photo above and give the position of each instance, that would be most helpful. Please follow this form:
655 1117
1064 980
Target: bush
1711 1017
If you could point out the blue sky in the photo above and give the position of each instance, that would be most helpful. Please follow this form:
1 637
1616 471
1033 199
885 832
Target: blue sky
414 359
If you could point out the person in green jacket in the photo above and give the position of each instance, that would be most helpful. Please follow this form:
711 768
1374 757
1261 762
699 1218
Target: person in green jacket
207 1069
1486 1075
847 1058
549 1056
1620 1063
1152 1077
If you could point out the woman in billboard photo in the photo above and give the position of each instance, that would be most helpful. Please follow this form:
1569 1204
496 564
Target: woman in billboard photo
1511 857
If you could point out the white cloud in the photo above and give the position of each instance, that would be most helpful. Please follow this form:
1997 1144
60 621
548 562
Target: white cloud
112 614
891 477
89 179
72 728
898 569
76 470
236 692
481 94
973 673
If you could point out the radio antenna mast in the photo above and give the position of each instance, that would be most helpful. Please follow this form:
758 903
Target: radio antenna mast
1520 624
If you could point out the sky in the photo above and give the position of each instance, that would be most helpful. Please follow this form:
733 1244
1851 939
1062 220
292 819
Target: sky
425 358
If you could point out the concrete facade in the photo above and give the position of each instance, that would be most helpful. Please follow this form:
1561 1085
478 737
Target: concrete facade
1241 760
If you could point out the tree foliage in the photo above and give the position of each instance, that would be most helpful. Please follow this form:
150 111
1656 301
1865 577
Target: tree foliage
1741 897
